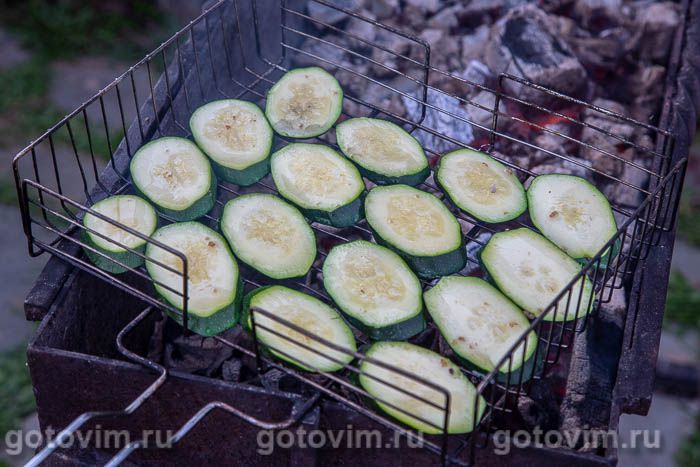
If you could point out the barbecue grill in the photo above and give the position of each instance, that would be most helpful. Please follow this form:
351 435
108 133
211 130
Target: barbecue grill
593 368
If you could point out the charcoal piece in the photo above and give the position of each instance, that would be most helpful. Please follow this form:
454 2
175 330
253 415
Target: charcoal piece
231 370
441 121
271 379
383 8
523 46
193 353
597 13
658 24
330 53
429 6
331 15
473 44
540 408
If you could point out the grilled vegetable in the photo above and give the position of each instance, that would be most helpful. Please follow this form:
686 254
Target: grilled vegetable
403 392
384 152
304 103
573 214
419 227
176 176
322 183
131 211
375 289
214 285
481 186
307 313
236 137
532 271
269 235
480 324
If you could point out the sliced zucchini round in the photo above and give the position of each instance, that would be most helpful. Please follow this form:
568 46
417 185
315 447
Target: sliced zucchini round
481 186
480 324
304 103
403 392
572 213
236 136
269 235
322 183
532 271
384 152
114 242
175 176
308 313
419 227
375 289
214 284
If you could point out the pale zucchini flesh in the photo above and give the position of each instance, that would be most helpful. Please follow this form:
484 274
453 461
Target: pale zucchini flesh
385 152
571 213
375 288
269 235
481 186
400 399
419 227
304 103
214 283
175 176
129 210
322 183
532 271
479 323
308 313
237 138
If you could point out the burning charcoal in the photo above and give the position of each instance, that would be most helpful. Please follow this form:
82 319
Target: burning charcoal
362 29
393 42
597 139
477 72
231 370
331 15
444 50
429 6
440 121
596 12
383 8
604 51
647 85
473 44
626 196
573 166
486 100
445 19
480 11
659 22
315 48
524 46
553 141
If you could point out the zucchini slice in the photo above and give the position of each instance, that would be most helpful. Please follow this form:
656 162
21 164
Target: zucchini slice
308 313
131 211
237 138
322 183
384 152
481 186
269 235
573 214
304 103
532 271
214 284
175 176
419 227
375 289
480 324
427 365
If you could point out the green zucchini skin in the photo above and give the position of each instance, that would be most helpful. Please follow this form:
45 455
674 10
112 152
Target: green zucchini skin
344 216
410 179
198 209
605 260
430 267
129 258
394 332
532 366
246 177
223 319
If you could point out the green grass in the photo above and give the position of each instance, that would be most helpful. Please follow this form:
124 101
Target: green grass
689 215
682 303
16 395
68 28
25 82
688 454
8 192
